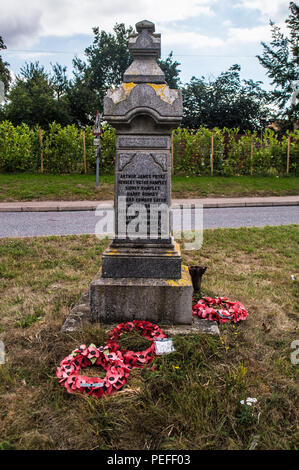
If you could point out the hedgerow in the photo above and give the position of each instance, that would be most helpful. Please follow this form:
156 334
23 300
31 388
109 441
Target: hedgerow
60 150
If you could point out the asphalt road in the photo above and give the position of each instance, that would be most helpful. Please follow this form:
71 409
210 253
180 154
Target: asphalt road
28 224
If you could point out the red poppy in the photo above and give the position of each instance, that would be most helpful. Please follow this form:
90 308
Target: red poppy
93 352
228 310
82 350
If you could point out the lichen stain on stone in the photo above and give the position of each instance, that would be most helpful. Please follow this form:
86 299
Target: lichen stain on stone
129 86
184 281
112 252
121 93
164 92
177 247
171 282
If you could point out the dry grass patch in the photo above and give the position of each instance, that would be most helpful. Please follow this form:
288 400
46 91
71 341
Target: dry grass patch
192 399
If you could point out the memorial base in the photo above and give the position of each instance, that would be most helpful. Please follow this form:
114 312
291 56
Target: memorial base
162 301
143 261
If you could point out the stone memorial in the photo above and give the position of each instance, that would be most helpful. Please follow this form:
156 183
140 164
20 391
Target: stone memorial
142 275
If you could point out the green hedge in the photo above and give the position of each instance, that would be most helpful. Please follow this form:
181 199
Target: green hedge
62 148
232 152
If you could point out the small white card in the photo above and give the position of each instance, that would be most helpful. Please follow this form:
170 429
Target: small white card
163 346
2 353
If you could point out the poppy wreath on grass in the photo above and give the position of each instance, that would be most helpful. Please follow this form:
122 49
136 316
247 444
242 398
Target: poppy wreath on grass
220 309
133 359
69 376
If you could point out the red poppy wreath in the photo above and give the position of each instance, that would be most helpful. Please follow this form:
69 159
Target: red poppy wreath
220 309
69 371
114 361
148 330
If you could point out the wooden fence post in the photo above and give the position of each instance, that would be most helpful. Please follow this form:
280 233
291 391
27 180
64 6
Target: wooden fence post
288 154
212 154
251 157
41 151
84 153
172 163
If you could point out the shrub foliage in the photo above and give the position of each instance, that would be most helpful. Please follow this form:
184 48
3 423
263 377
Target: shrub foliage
233 154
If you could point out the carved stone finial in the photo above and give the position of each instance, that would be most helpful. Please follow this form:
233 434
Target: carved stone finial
145 43
145 24
145 49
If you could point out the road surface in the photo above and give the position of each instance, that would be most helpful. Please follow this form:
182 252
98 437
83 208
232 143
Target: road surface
28 224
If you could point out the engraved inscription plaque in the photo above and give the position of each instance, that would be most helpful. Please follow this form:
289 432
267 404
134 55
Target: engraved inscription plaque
146 142
143 181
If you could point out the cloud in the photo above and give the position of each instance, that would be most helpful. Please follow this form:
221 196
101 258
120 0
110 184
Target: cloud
190 40
21 22
269 9
27 56
204 28
19 27
178 20
249 35
227 23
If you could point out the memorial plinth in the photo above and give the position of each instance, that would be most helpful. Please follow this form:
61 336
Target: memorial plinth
142 265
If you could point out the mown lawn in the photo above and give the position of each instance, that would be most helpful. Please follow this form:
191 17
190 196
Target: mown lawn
30 187
192 399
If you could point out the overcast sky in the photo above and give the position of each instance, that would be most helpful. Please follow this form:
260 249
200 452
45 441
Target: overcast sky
206 36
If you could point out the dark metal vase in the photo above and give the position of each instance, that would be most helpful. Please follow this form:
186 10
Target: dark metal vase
196 273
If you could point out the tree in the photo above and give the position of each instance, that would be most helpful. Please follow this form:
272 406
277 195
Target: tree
281 59
5 76
293 24
32 99
107 58
60 80
83 100
41 97
227 101
171 71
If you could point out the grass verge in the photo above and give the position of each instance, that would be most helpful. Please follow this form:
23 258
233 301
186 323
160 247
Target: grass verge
192 399
37 187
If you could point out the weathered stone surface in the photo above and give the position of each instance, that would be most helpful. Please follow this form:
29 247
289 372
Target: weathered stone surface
166 301
148 70
143 142
145 48
142 185
143 177
80 317
198 326
156 263
159 102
